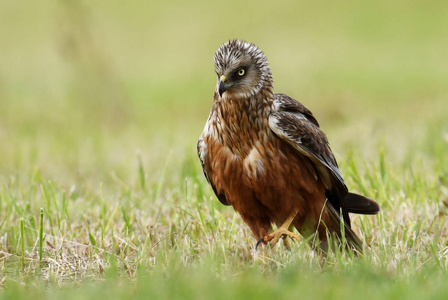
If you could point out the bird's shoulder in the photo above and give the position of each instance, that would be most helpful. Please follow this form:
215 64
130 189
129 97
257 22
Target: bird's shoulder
284 103
296 124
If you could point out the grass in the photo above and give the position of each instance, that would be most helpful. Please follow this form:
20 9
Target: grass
101 192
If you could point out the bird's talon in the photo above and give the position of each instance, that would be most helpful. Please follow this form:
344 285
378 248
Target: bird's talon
263 241
258 243
274 237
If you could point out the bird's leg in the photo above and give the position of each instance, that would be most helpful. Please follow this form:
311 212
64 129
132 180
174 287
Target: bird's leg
273 238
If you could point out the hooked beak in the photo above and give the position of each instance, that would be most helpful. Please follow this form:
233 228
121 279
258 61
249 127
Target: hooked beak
222 85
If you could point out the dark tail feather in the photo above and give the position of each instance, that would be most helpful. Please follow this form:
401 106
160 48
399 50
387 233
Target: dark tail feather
359 204
336 227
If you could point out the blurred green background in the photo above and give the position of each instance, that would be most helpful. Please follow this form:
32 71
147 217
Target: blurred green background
84 85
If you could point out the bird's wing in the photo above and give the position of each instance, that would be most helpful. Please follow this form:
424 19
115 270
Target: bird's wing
296 125
205 162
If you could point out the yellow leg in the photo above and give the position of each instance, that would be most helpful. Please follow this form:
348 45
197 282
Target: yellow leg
273 238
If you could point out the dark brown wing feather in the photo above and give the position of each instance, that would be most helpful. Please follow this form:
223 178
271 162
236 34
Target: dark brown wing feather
290 105
296 125
335 227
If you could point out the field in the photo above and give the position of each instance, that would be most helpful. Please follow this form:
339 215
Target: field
101 105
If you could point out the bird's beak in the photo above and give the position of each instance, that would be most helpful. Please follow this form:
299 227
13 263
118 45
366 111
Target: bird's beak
222 85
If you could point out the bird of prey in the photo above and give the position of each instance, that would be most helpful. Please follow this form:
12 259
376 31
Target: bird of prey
265 155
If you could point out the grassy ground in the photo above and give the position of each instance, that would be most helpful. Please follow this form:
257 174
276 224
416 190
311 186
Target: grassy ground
101 104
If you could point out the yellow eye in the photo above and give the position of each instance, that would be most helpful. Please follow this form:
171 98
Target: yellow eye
241 72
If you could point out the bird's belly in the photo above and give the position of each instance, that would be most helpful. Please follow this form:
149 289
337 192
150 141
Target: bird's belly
271 177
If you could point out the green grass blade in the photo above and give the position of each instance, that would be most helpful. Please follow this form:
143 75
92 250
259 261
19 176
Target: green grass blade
41 234
22 236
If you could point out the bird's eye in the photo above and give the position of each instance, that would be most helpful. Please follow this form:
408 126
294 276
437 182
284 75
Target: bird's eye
241 72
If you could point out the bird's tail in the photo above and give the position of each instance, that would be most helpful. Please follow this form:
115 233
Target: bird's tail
358 204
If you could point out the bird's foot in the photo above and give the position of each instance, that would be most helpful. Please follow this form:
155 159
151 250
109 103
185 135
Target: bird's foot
273 238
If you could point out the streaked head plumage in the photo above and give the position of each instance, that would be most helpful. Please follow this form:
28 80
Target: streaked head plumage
242 69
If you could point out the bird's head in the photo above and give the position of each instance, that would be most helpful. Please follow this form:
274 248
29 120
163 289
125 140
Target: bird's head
242 70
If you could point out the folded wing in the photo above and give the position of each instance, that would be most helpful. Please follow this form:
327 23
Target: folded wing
296 125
